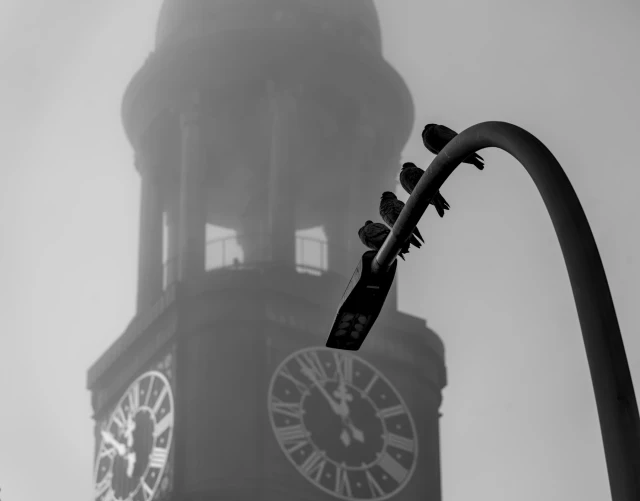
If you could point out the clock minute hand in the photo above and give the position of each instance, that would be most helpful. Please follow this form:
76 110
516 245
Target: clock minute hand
339 409
343 394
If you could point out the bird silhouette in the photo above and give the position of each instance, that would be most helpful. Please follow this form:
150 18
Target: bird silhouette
410 174
390 209
435 137
373 235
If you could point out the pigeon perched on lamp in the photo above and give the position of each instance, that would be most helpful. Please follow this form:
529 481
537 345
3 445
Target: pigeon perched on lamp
373 235
410 174
435 137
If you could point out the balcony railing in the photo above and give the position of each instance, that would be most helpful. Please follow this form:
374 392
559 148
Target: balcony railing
312 255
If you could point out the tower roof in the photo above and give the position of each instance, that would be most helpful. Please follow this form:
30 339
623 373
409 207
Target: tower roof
182 18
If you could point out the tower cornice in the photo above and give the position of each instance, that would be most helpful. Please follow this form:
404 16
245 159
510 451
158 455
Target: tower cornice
225 60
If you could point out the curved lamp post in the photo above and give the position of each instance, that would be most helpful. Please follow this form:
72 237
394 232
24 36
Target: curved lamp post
612 384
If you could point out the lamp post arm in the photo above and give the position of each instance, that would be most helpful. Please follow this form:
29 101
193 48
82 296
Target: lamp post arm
610 375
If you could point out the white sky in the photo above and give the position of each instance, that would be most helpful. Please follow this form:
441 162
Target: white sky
519 413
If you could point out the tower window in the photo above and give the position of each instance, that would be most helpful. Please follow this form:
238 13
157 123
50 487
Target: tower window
311 251
223 249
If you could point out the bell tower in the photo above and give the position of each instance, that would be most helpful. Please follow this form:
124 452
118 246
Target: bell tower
264 117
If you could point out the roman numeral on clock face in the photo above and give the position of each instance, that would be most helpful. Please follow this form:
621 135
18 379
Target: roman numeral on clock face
374 486
290 409
314 465
343 485
107 452
295 433
104 484
134 397
147 395
344 367
311 366
108 496
158 403
158 457
373 381
286 373
119 418
402 443
392 468
396 410
163 424
147 491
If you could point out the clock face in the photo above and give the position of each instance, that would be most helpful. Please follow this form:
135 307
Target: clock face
342 424
135 441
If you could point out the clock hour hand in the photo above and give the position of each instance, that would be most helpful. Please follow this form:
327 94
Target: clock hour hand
111 440
131 463
356 432
339 408
345 438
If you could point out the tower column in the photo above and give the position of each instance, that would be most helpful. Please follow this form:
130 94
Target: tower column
192 211
171 264
342 233
282 178
344 245
253 229
362 190
150 265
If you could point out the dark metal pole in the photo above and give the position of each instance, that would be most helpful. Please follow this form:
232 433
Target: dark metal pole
612 384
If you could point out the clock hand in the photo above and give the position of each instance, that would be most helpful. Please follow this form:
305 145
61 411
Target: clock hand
345 438
131 463
339 408
343 394
128 432
356 432
111 440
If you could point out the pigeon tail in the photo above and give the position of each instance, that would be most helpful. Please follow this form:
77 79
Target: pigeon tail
440 204
404 250
414 241
476 160
416 232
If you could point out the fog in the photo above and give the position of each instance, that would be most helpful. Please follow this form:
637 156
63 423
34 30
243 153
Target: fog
518 417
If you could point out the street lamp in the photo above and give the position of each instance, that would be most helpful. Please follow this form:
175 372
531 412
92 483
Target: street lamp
361 303
610 375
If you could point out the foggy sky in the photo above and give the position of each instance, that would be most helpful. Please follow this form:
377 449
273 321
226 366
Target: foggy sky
519 417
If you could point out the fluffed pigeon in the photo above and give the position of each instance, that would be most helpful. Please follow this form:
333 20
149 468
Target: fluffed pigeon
435 137
373 235
390 208
410 174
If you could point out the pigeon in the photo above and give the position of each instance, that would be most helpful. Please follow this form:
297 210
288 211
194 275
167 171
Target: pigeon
373 235
390 208
410 174
435 137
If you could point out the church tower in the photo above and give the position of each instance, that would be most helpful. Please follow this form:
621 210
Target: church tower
266 118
